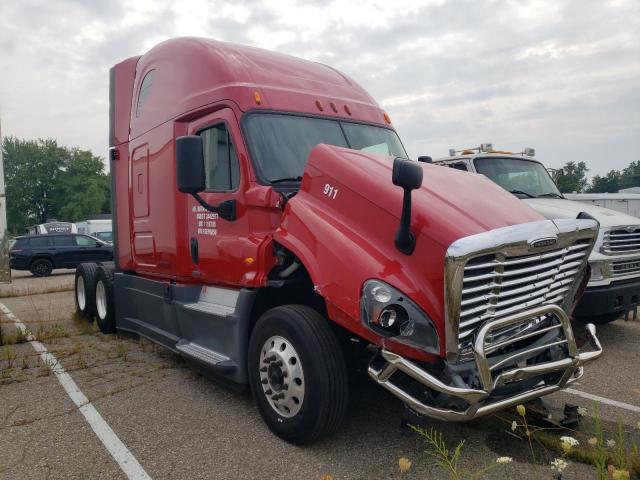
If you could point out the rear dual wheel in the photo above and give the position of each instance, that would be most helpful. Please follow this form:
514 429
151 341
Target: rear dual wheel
297 374
84 286
105 310
94 295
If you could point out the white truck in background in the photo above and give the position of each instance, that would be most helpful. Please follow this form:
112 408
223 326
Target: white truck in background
620 202
100 228
614 287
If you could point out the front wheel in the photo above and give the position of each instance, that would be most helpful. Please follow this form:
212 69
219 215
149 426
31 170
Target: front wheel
297 374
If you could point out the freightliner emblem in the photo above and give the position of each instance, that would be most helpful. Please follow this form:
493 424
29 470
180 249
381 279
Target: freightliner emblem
543 242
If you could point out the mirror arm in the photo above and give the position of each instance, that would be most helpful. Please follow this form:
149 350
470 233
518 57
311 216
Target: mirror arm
226 209
405 241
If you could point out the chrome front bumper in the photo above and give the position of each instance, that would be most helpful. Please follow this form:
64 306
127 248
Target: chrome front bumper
480 401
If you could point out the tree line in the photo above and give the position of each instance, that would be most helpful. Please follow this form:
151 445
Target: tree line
573 178
44 181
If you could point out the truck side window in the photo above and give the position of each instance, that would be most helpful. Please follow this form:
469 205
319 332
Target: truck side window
220 161
143 95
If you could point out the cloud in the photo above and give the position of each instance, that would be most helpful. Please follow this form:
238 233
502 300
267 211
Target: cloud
559 76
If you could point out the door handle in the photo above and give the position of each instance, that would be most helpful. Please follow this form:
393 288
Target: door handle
194 250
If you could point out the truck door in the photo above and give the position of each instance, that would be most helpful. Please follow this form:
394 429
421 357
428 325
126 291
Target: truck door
218 246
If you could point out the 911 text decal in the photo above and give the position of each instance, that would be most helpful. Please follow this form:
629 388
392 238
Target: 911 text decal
330 191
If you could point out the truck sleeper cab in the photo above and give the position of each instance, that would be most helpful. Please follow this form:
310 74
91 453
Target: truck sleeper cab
267 219
614 286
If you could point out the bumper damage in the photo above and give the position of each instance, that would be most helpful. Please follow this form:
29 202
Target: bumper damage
515 373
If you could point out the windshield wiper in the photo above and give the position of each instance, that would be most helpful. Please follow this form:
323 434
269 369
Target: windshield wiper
288 179
550 194
520 192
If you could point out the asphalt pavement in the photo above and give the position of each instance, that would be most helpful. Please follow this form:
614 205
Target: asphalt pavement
178 424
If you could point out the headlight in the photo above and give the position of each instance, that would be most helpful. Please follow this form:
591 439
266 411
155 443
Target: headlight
391 314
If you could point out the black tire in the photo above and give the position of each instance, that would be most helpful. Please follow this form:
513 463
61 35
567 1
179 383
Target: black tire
41 267
85 290
320 358
600 319
103 294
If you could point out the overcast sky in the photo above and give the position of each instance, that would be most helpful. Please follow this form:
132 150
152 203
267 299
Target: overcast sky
562 76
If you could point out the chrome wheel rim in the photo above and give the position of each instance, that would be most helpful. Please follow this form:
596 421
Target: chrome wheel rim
101 300
80 294
282 376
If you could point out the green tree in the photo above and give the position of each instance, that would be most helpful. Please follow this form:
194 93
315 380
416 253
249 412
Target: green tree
631 175
83 188
609 183
44 180
572 177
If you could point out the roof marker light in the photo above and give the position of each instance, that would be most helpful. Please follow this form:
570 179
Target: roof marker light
257 98
486 147
452 152
333 107
529 152
319 105
347 109
387 119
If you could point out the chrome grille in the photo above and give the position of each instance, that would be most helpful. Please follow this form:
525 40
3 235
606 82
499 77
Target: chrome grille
621 240
620 269
498 284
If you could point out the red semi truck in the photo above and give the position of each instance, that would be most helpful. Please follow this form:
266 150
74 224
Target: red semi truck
268 221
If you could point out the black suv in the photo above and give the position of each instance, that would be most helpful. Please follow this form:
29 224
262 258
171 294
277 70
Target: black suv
42 253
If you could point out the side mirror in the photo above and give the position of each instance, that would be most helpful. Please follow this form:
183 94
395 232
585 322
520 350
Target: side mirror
191 176
190 164
408 175
425 159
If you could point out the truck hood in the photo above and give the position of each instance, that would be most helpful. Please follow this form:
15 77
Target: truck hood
449 205
563 208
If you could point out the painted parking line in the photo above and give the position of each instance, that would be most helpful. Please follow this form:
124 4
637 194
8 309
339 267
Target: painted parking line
121 454
606 401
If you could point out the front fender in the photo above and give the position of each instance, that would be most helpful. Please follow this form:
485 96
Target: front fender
341 251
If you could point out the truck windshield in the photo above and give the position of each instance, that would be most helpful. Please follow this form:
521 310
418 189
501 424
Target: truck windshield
523 178
281 144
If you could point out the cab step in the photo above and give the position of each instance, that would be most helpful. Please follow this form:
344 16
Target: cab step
215 360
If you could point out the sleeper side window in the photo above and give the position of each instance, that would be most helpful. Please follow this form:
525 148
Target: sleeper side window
221 166
145 88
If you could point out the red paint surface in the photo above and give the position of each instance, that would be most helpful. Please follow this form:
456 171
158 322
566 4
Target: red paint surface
342 242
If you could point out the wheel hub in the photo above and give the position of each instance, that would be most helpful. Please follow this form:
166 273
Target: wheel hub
281 376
